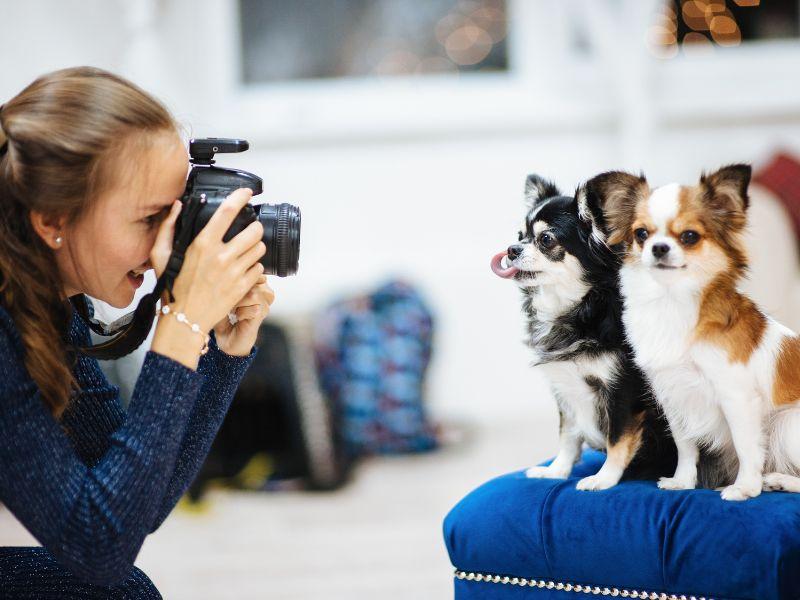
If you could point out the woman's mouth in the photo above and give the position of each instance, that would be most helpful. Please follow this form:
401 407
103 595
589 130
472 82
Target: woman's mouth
135 280
502 271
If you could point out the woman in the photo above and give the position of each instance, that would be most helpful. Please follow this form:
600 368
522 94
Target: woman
90 171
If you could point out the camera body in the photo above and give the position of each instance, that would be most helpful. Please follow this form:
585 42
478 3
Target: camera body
208 185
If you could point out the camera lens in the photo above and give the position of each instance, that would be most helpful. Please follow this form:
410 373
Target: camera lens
282 237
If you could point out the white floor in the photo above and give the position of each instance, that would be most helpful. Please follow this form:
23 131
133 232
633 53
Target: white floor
379 537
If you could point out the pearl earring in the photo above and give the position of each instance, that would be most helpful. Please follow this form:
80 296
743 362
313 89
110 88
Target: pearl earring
59 239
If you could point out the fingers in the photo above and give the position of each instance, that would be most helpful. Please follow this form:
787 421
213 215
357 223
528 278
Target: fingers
222 218
251 277
163 244
250 257
269 294
245 284
245 239
255 304
244 313
258 294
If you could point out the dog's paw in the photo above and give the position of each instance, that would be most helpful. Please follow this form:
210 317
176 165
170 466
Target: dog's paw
596 482
774 482
780 482
741 491
675 483
546 473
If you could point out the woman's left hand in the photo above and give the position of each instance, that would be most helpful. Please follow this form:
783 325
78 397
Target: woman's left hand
237 339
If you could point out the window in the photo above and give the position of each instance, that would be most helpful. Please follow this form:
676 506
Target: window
317 39
698 24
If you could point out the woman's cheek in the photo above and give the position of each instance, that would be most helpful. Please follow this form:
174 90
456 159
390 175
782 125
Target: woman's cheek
138 244
152 234
145 238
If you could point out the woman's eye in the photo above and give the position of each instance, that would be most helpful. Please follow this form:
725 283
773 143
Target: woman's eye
154 219
690 238
547 240
641 234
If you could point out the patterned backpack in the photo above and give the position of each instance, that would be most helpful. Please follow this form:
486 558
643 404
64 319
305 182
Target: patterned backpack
372 355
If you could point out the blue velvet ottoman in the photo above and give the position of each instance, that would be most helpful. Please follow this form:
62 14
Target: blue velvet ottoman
515 537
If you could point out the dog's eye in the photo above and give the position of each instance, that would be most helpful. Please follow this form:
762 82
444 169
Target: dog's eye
690 238
521 236
547 240
641 234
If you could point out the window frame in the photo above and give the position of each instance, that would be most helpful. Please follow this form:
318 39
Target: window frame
549 86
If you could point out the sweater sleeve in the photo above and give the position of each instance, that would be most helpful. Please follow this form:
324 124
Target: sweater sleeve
223 373
92 519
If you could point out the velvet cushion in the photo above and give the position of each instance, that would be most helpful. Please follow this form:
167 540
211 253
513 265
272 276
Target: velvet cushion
630 537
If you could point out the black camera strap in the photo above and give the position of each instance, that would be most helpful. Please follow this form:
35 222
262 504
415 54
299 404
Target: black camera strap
132 329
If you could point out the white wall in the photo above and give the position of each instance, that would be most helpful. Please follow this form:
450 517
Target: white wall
431 207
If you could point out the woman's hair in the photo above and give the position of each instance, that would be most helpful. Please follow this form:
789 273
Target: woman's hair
63 140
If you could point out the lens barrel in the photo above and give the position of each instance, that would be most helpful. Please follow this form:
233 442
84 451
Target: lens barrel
282 237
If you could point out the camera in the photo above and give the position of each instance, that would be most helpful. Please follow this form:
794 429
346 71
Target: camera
208 185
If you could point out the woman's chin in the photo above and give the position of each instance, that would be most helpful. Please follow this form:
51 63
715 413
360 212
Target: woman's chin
123 296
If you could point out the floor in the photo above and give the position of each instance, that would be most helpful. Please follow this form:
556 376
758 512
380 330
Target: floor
379 537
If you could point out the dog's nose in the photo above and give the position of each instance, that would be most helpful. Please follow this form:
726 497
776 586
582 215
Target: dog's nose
514 252
660 250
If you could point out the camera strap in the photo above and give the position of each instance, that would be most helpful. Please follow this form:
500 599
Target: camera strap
132 329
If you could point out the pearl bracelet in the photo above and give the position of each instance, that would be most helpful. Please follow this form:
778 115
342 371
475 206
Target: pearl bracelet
167 309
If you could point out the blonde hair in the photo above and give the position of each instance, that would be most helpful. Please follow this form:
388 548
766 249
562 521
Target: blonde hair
64 135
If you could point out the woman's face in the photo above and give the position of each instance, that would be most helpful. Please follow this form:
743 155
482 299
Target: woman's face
114 239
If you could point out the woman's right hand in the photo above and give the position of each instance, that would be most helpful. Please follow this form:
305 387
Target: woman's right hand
215 275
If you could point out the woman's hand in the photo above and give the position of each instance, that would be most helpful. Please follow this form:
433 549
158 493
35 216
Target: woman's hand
236 334
215 275
162 248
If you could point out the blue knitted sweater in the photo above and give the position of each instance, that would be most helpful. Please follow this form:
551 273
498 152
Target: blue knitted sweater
93 485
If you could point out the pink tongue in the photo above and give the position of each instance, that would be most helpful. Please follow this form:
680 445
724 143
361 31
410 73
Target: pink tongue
498 269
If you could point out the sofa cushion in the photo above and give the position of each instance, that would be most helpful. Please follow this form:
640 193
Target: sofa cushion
633 537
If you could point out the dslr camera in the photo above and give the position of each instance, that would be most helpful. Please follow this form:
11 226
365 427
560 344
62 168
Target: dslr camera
208 185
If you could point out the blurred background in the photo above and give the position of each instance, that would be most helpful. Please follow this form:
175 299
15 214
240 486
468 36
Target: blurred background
393 377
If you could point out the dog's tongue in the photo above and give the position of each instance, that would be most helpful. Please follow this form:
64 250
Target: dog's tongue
497 266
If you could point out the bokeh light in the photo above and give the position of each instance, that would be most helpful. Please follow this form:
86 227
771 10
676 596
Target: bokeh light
450 23
662 37
397 62
694 14
492 20
696 43
468 45
725 31
696 26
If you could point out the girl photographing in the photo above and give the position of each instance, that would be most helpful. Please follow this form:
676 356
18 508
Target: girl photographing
91 169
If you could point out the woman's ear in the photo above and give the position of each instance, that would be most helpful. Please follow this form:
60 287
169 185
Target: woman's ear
49 227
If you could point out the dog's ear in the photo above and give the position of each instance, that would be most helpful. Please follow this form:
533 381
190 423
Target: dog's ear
538 189
607 202
726 193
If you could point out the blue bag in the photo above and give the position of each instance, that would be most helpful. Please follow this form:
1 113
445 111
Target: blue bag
372 354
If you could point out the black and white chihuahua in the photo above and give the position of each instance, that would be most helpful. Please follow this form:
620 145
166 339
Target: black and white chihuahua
571 298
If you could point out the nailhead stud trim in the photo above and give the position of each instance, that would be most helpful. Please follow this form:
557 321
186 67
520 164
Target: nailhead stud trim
572 587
